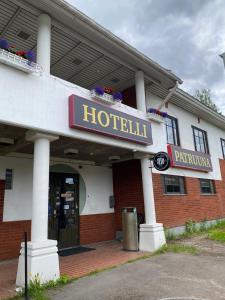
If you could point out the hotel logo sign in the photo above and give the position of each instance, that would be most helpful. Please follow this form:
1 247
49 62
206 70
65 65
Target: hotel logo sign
183 158
96 117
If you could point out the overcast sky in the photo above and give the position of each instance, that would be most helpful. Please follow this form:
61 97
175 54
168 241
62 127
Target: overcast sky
185 36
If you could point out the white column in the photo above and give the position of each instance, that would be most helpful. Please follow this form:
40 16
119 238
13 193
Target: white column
44 42
42 253
40 189
149 202
152 234
140 90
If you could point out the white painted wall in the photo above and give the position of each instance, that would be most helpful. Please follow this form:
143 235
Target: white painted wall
17 202
185 121
41 102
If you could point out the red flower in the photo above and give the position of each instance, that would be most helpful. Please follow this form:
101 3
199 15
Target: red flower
108 90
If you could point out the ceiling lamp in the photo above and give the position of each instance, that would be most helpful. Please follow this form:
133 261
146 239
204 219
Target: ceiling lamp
71 151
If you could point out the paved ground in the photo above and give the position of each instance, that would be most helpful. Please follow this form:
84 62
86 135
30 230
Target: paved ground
167 276
7 278
107 254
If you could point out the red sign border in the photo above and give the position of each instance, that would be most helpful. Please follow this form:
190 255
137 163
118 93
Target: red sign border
72 125
172 164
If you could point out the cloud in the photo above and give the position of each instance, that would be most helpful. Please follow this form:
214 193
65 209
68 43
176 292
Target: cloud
183 36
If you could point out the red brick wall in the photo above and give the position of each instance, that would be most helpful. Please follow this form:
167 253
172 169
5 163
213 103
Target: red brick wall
171 210
127 188
129 97
93 228
97 228
11 233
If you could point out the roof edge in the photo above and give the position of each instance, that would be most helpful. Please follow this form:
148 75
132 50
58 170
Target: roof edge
109 35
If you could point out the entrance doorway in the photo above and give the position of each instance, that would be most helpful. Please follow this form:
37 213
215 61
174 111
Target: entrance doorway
63 212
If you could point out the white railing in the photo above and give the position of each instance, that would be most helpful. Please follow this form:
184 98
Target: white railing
155 117
19 62
106 98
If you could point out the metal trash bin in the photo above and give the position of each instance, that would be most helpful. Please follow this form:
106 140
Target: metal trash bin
130 228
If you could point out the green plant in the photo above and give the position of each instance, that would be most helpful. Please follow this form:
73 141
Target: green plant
36 289
217 235
203 225
190 227
63 279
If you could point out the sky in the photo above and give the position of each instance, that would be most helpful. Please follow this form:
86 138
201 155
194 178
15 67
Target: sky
185 36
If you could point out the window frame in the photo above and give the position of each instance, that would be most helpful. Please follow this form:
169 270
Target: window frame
205 139
177 131
212 186
223 148
183 190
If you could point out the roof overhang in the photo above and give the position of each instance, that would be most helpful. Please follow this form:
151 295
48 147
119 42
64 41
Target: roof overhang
74 20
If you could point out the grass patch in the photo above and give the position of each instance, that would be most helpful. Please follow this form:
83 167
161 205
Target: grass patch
36 290
194 229
217 235
176 248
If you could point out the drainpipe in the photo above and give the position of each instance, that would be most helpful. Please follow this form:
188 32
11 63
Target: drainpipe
170 94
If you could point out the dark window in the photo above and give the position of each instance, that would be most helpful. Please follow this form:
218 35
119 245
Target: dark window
207 186
8 179
173 184
223 147
200 140
172 132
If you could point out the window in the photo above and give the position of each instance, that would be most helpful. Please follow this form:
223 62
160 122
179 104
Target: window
8 179
223 147
207 186
200 140
173 184
172 132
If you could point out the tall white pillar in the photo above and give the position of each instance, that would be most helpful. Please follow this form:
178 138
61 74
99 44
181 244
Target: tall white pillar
42 253
152 234
149 202
140 90
44 42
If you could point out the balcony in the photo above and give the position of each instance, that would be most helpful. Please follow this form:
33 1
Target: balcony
18 62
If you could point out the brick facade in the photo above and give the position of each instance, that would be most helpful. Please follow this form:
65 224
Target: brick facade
97 228
11 233
171 210
93 228
127 185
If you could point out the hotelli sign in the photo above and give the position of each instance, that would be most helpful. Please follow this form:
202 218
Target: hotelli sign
92 116
183 158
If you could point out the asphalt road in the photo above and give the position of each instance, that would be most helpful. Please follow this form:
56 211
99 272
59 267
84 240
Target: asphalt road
169 277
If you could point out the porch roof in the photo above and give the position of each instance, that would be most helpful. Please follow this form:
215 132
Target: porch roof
82 52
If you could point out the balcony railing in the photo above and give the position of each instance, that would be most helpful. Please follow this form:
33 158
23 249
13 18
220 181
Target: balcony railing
19 62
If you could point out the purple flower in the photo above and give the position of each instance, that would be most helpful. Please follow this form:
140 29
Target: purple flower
99 90
4 44
117 96
151 110
164 114
30 56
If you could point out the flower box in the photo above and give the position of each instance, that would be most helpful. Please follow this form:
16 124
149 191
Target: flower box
155 117
18 62
106 98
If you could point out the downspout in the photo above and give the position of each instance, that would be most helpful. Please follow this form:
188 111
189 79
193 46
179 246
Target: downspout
170 94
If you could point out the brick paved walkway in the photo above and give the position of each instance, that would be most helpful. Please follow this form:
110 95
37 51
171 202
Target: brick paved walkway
107 254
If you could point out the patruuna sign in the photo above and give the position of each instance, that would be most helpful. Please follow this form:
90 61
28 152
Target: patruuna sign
183 158
96 117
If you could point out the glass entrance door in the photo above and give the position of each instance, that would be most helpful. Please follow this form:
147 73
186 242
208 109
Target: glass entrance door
63 212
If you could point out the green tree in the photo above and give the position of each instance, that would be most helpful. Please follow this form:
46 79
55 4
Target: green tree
204 96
